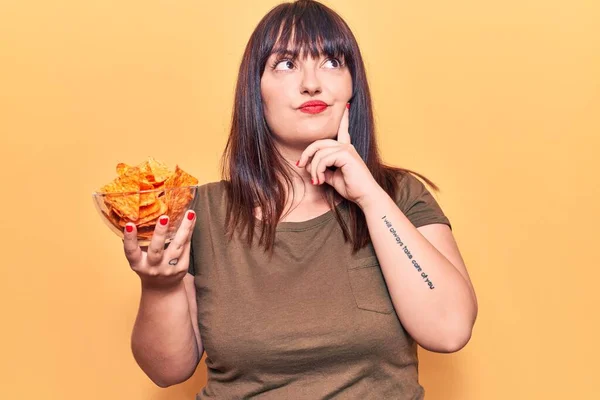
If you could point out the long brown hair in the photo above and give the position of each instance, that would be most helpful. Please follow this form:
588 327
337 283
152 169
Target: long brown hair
255 172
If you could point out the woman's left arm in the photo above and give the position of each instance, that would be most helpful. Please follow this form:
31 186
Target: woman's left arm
425 275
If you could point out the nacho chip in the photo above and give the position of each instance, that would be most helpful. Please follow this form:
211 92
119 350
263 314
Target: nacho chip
122 168
159 170
146 175
177 194
149 209
146 225
126 205
180 178
146 181
151 217
147 199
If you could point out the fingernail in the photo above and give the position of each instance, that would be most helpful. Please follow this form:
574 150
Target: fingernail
312 182
191 215
297 163
348 106
129 228
163 220
318 182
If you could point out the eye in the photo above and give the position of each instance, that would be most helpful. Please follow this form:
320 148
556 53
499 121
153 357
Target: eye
283 65
332 63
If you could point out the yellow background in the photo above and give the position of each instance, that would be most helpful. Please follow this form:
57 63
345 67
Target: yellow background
497 101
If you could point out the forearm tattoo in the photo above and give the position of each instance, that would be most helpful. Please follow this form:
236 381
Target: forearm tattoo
174 261
407 252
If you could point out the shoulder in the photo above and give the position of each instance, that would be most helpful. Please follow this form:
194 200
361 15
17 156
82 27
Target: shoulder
210 197
213 186
409 187
416 201
213 190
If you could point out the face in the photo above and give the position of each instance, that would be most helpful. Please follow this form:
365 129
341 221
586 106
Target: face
287 85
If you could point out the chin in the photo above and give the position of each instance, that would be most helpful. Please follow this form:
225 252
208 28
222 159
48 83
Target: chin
316 133
309 137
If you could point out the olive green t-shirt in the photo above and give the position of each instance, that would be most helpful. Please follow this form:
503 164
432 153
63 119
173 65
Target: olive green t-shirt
313 321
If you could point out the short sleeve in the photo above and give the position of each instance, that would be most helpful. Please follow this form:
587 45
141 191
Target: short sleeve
192 267
210 206
418 204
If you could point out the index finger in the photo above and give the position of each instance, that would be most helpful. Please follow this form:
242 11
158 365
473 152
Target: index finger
133 252
343 134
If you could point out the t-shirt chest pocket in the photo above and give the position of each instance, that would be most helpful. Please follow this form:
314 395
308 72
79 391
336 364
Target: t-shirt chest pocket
368 285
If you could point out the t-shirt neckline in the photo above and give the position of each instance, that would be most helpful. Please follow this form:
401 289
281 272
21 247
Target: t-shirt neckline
298 226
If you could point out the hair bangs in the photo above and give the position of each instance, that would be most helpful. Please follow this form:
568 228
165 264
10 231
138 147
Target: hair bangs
305 29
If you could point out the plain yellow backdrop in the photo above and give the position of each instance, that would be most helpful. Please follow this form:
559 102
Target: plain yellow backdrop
497 101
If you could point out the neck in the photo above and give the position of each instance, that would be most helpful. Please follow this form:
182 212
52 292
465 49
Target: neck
304 190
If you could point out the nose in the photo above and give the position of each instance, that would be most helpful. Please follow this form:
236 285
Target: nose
310 83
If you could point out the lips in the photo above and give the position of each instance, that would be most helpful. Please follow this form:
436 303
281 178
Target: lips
313 107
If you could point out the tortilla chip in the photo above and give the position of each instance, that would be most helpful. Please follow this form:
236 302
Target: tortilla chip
146 174
159 170
180 178
127 205
150 217
146 181
177 194
147 199
122 168
149 209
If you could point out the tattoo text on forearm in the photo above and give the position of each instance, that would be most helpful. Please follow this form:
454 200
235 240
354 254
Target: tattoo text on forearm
407 252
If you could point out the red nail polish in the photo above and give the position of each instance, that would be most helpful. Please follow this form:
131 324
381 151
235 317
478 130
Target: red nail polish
191 215
318 182
129 228
297 163
312 182
163 221
348 106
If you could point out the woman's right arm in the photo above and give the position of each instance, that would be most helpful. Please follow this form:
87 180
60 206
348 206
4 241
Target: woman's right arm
165 340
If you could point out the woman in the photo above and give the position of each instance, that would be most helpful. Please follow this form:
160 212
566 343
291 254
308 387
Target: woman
314 269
